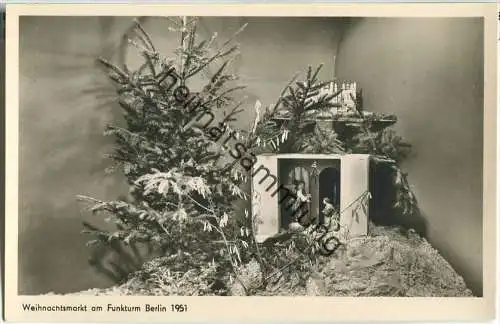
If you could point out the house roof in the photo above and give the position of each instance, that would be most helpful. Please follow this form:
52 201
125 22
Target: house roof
350 118
322 156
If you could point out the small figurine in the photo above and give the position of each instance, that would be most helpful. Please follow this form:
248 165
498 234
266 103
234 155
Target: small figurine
331 215
302 199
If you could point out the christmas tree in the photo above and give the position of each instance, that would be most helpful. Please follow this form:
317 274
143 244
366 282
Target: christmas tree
182 191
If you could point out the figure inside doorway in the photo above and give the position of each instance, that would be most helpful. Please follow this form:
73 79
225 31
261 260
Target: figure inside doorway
331 215
300 209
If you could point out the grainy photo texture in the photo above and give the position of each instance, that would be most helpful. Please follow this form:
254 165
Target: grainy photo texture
251 156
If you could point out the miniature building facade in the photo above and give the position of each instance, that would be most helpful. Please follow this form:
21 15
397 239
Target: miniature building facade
344 179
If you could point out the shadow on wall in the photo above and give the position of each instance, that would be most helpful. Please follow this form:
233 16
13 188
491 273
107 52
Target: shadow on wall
65 102
429 72
383 198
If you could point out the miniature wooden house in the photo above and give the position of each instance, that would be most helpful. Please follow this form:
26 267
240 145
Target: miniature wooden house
342 178
347 179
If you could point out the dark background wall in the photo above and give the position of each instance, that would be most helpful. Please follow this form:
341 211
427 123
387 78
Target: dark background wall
429 72
65 102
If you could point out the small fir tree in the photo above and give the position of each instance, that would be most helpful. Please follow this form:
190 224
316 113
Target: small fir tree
182 190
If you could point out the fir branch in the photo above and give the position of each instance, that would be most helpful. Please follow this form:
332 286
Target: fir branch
221 53
144 36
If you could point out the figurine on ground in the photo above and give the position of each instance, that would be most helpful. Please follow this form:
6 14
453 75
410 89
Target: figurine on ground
331 216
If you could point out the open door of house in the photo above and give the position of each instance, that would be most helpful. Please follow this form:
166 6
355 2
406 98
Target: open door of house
329 187
292 173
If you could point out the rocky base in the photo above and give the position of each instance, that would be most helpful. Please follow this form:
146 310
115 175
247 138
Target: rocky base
388 263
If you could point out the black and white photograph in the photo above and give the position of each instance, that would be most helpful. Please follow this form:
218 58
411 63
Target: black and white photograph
250 155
